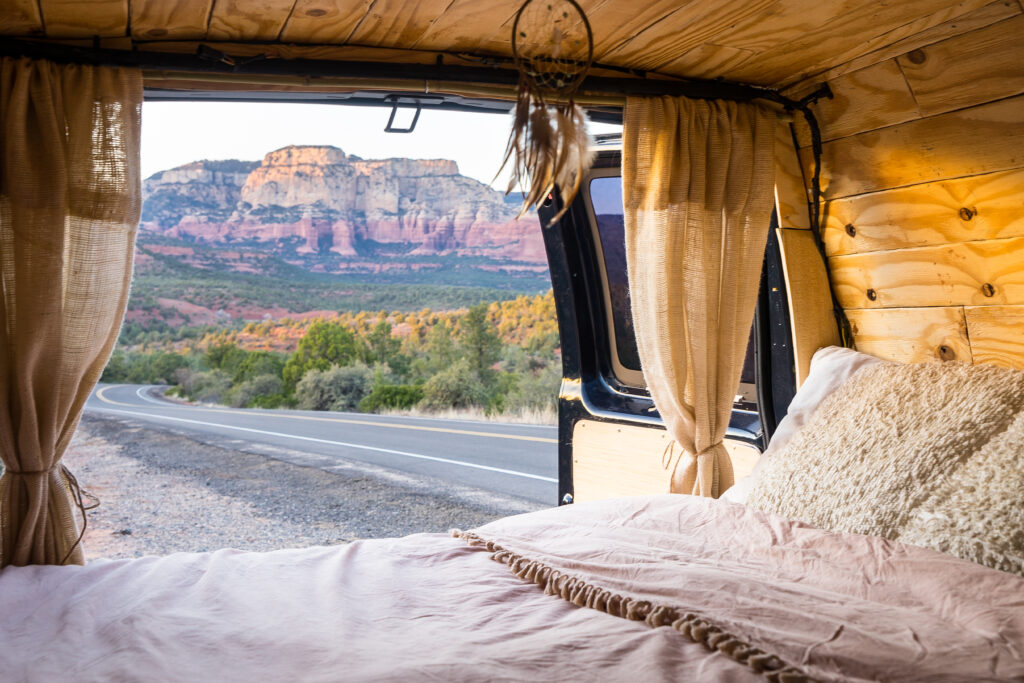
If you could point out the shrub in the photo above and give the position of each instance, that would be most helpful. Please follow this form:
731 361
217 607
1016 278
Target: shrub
263 391
396 396
338 388
457 386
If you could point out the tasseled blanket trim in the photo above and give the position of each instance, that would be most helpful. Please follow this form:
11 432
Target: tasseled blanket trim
692 626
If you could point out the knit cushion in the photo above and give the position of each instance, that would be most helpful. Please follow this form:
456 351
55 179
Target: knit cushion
929 454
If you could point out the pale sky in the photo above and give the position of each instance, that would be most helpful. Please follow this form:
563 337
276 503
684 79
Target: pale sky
176 133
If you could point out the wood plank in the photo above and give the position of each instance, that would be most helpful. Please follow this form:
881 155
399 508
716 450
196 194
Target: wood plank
790 187
248 19
970 273
967 142
810 304
613 460
912 335
978 67
172 19
979 18
472 26
397 23
20 18
324 21
804 49
997 334
871 98
708 60
76 19
983 207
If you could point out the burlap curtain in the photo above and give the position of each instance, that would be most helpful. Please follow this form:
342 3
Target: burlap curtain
698 182
69 207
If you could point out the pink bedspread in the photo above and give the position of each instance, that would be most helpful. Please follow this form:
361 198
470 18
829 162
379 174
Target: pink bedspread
429 607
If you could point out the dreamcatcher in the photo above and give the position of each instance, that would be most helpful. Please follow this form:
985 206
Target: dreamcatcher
553 48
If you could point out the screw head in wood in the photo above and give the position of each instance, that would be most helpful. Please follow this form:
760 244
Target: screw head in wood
872 295
850 230
316 12
988 290
967 214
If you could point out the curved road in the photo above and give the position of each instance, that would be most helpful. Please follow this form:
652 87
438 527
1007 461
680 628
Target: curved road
516 460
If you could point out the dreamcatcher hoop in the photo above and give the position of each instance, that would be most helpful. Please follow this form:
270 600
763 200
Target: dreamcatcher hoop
549 145
538 72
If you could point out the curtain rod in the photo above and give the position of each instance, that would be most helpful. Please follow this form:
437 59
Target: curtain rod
209 60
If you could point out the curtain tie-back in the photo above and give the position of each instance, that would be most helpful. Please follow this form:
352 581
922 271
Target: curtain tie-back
29 473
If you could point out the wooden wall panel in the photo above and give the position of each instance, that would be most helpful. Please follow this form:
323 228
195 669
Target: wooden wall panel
912 335
248 19
177 19
20 18
970 69
997 334
810 305
790 188
611 460
983 207
969 273
966 142
862 100
77 19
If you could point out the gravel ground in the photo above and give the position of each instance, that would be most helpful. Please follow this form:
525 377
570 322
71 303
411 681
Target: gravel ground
163 492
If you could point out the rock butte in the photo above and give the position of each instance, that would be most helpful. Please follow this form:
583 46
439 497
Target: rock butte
331 202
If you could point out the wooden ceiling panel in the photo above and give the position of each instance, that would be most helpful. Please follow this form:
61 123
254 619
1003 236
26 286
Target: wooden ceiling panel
689 27
20 18
76 19
170 19
248 19
472 26
398 23
861 28
324 21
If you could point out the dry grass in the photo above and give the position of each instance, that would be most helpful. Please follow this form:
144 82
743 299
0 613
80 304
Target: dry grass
522 416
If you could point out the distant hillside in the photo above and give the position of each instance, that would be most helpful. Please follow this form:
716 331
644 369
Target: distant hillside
329 210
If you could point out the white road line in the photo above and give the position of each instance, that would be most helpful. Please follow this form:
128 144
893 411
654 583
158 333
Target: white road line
141 393
418 456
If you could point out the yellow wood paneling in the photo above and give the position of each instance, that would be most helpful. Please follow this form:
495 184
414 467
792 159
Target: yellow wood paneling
20 18
810 305
966 142
912 335
965 23
790 189
77 19
324 21
398 22
612 460
863 100
808 44
471 26
989 206
981 66
248 19
997 334
972 273
177 19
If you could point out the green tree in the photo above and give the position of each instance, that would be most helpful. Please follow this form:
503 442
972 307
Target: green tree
337 388
324 344
258 363
479 343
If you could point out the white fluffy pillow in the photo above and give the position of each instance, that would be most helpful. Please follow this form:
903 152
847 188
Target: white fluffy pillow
830 368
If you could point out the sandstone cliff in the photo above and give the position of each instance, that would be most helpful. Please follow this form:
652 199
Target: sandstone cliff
326 202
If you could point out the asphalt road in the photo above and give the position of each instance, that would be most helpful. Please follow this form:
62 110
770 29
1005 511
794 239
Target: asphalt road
506 459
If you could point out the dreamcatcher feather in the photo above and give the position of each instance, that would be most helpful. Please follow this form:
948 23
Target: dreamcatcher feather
549 145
